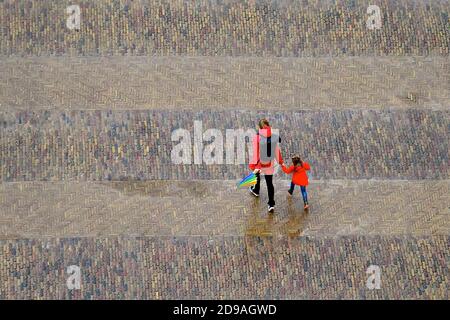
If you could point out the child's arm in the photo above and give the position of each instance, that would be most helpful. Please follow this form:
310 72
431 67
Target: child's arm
287 170
306 166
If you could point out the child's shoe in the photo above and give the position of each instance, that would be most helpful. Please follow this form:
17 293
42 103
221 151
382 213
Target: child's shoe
290 193
306 206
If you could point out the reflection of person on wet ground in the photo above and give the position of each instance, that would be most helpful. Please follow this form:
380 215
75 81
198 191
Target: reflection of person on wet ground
296 220
268 227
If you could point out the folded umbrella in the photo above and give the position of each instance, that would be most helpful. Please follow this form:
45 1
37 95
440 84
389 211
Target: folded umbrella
248 181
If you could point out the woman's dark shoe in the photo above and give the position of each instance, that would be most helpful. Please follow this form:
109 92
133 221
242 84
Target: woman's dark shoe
253 192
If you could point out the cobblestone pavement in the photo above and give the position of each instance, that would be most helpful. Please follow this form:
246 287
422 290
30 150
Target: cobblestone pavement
137 145
87 177
128 83
218 208
263 28
226 267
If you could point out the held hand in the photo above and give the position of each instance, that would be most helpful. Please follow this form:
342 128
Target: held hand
256 171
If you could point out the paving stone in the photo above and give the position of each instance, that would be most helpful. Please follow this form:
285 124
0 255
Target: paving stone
219 208
86 177
192 268
137 145
130 83
262 28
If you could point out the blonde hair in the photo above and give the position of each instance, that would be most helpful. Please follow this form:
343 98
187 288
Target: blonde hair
263 122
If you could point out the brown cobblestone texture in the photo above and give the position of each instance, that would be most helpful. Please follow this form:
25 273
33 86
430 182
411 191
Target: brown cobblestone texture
262 28
86 176
137 145
129 83
219 208
226 268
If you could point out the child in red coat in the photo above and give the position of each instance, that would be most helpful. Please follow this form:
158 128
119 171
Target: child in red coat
299 177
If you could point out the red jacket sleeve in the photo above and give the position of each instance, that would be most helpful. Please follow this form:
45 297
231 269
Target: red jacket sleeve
306 166
254 161
278 156
288 170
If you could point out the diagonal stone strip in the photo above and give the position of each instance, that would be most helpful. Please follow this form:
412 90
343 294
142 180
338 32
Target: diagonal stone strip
218 208
129 83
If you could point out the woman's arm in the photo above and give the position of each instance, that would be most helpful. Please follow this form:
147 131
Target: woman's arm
278 155
254 161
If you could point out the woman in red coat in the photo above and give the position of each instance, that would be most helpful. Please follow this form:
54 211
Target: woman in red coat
266 150
299 177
